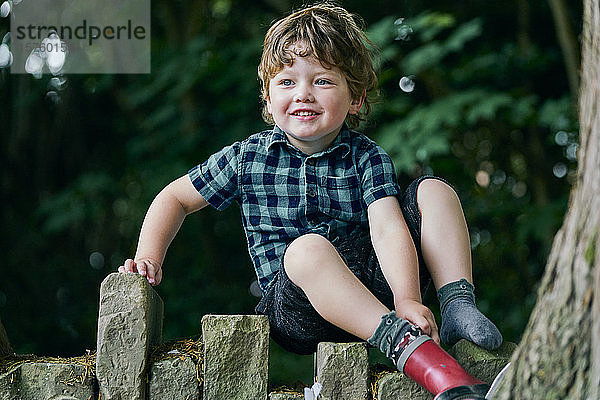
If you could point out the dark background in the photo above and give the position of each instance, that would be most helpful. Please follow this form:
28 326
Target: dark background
491 111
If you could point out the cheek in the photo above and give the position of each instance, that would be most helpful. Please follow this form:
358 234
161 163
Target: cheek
268 99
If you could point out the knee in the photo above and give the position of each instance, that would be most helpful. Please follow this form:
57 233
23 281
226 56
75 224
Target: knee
435 190
304 256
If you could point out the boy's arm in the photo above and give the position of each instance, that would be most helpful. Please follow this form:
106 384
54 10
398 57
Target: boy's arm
398 260
161 224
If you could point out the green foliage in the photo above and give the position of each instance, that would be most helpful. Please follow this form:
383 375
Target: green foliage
432 52
425 130
79 204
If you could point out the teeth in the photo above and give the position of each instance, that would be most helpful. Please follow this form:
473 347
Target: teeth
304 113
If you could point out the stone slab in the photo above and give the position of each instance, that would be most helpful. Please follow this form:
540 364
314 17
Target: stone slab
129 323
173 379
236 357
5 348
48 381
395 385
481 363
343 370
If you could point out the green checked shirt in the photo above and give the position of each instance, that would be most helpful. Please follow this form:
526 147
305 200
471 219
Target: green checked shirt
284 193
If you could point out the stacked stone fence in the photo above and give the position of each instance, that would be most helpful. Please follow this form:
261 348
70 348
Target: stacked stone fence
228 362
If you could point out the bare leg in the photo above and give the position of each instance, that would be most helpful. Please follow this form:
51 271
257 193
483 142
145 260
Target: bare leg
444 235
447 252
314 265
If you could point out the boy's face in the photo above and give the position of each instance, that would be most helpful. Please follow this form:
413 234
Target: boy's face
310 102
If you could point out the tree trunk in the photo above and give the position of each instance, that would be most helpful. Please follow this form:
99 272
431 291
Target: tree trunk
559 355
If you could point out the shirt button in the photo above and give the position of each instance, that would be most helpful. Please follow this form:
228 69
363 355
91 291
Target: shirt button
311 193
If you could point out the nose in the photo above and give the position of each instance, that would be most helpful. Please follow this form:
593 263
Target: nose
303 94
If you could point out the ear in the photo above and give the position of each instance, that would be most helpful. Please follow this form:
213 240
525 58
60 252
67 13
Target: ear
357 103
268 101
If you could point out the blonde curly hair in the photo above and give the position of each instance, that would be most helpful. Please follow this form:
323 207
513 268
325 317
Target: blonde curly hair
333 36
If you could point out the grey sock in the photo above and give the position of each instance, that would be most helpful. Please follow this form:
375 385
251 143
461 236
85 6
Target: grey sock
462 320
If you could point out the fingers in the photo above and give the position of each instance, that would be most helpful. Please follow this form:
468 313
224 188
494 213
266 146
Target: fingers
151 270
423 323
141 267
128 266
157 277
426 322
420 316
433 329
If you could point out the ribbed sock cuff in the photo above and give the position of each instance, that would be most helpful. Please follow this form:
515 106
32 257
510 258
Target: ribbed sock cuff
389 327
454 290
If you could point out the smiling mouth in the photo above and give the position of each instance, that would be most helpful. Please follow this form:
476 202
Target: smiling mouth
304 113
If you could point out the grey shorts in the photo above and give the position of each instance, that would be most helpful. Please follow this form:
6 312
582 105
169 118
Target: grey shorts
297 326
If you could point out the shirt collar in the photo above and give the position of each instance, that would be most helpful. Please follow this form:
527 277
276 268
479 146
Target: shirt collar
341 141
277 136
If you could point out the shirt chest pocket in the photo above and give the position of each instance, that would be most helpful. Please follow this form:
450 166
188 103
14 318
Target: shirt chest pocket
340 197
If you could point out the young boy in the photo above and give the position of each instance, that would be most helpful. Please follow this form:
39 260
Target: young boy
337 256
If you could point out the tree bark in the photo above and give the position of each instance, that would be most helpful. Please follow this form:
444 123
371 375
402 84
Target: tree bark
559 355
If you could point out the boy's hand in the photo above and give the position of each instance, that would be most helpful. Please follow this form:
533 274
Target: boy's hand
416 313
144 266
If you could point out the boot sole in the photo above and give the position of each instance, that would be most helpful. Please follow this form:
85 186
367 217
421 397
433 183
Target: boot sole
467 392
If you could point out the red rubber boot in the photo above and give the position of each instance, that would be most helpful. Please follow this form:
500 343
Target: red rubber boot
434 369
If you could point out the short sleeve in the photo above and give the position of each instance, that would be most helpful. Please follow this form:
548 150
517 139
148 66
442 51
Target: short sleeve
217 178
378 176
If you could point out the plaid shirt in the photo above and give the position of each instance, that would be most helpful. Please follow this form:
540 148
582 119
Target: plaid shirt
284 193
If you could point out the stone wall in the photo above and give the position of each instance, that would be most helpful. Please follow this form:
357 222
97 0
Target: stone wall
229 361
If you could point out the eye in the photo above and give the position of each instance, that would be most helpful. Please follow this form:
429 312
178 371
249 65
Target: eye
286 82
323 81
